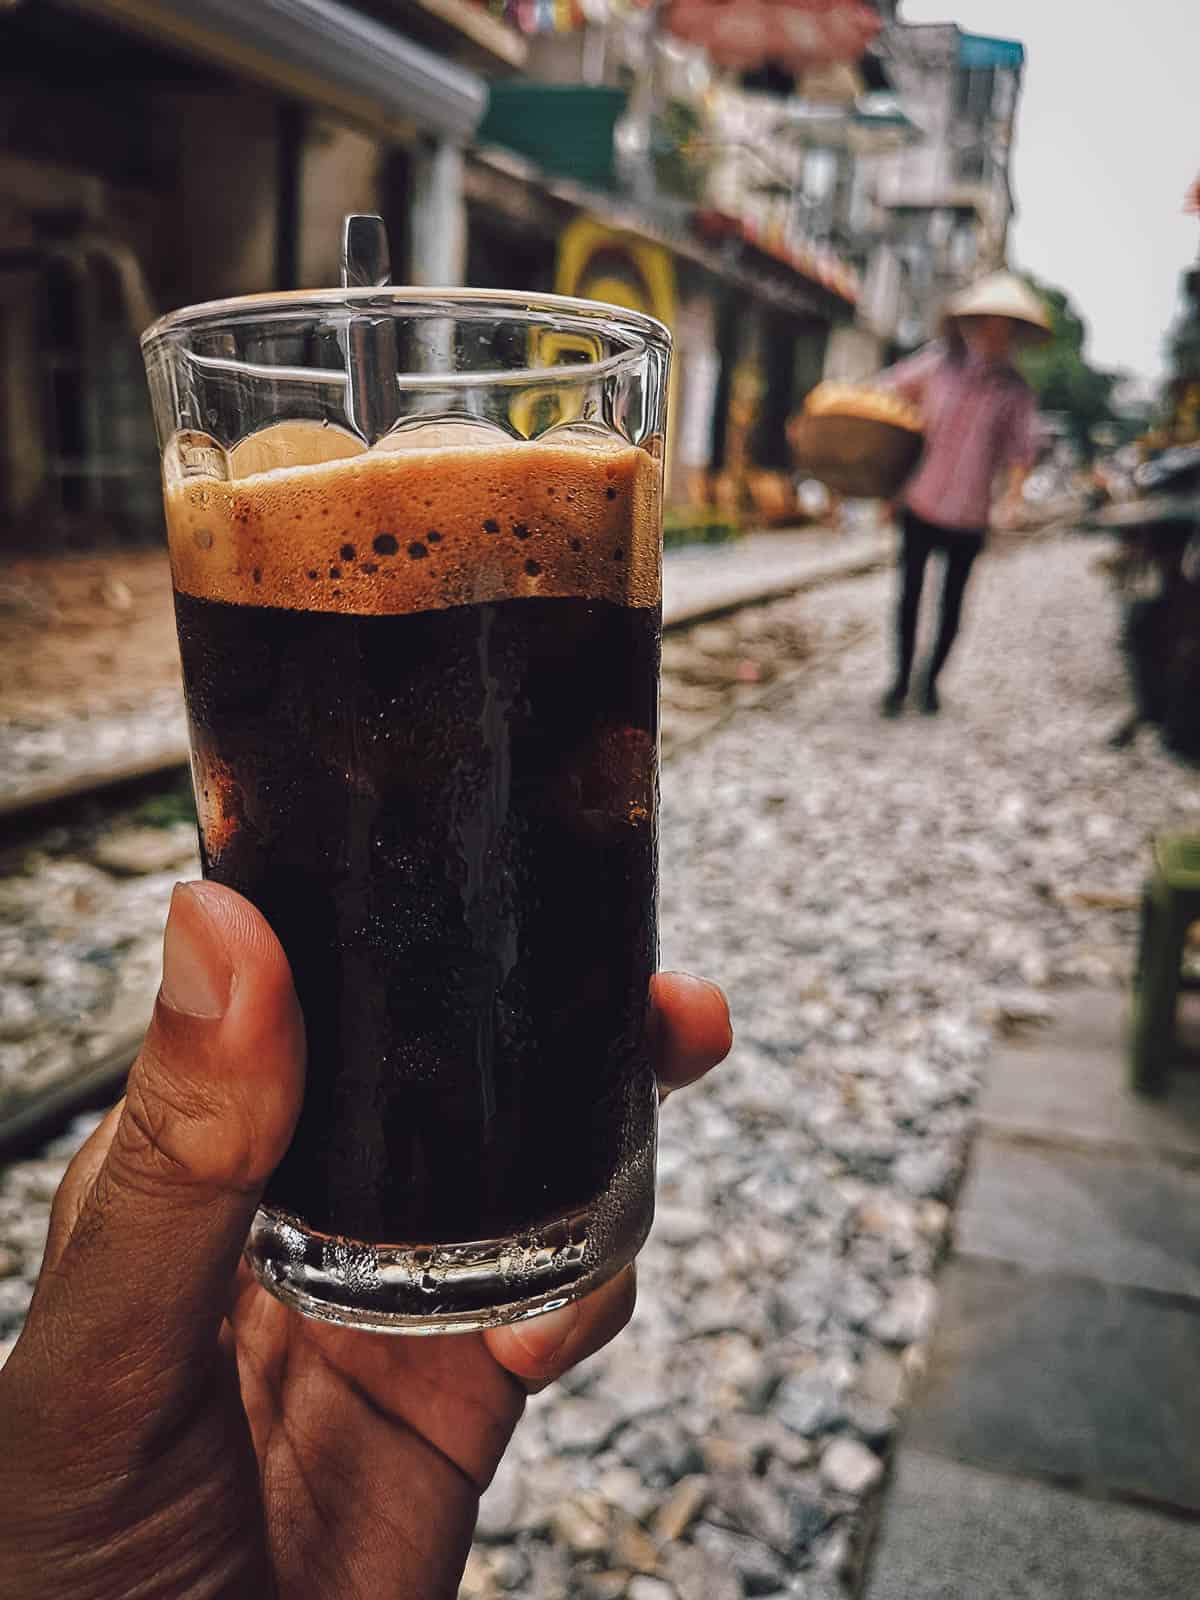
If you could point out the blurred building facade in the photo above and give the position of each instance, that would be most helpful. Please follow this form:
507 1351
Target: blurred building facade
789 212
626 166
158 152
930 217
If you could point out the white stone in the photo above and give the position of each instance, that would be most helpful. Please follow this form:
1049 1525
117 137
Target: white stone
501 1506
19 1016
682 1506
645 1588
850 1468
583 1524
134 851
909 1313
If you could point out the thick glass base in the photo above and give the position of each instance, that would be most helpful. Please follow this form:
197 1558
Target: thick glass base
453 1288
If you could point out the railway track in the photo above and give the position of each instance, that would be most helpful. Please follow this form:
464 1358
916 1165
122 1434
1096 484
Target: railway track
42 797
46 1114
84 878
721 654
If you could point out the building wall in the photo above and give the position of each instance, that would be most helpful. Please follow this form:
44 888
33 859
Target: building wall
22 446
854 353
197 216
923 62
221 145
74 420
341 171
946 202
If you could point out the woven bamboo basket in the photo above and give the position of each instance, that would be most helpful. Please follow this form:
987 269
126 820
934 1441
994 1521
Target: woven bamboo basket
861 456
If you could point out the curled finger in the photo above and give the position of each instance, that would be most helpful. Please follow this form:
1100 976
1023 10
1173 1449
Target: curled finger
692 1030
541 1349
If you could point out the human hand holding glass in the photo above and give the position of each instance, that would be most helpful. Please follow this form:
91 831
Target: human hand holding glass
171 1429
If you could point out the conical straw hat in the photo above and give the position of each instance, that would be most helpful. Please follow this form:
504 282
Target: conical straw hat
1002 295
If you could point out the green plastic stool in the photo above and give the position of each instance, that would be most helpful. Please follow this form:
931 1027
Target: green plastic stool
1170 905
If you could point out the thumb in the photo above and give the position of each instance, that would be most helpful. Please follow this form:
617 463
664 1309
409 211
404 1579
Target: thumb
147 1233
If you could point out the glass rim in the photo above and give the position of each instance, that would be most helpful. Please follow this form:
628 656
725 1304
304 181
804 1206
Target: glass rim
592 316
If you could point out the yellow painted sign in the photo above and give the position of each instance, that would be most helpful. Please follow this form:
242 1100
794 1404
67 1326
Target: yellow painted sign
596 262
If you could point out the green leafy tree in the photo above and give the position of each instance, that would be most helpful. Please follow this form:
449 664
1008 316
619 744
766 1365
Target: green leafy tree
1184 340
1060 374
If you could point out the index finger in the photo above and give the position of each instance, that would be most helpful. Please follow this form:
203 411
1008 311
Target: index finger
692 1029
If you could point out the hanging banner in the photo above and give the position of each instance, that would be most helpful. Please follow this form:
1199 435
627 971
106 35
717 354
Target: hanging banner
562 16
794 34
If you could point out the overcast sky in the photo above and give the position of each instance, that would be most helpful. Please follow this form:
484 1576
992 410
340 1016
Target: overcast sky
1108 141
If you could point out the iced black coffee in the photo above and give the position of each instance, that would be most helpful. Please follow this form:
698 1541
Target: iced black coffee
422 686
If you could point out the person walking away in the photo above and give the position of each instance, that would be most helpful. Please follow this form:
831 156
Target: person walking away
980 423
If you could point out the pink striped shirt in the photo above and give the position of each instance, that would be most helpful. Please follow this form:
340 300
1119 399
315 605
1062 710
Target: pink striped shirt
979 419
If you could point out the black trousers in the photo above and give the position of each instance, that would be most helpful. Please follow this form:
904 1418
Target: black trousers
960 546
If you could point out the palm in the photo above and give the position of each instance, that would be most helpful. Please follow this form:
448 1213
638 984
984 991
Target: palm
372 1452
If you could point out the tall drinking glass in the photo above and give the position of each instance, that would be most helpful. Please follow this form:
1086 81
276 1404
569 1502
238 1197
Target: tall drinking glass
415 545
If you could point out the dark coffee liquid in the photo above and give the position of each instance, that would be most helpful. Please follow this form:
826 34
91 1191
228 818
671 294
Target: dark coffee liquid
448 817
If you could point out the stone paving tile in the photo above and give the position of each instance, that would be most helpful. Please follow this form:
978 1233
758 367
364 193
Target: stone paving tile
952 1532
1069 1082
1080 1381
1122 1221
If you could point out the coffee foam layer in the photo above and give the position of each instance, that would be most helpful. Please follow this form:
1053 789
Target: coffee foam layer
396 531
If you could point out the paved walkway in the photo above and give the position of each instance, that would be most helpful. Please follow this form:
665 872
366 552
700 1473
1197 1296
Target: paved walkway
1054 1448
885 903
702 581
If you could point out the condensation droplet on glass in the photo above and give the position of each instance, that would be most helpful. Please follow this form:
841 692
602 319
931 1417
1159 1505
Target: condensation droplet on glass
292 1240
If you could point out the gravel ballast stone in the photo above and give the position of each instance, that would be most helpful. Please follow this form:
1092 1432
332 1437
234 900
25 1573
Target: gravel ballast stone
879 900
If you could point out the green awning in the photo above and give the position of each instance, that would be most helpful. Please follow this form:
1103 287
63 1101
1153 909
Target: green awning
978 50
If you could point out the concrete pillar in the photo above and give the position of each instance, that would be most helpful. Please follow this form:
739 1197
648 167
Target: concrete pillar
693 398
439 231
